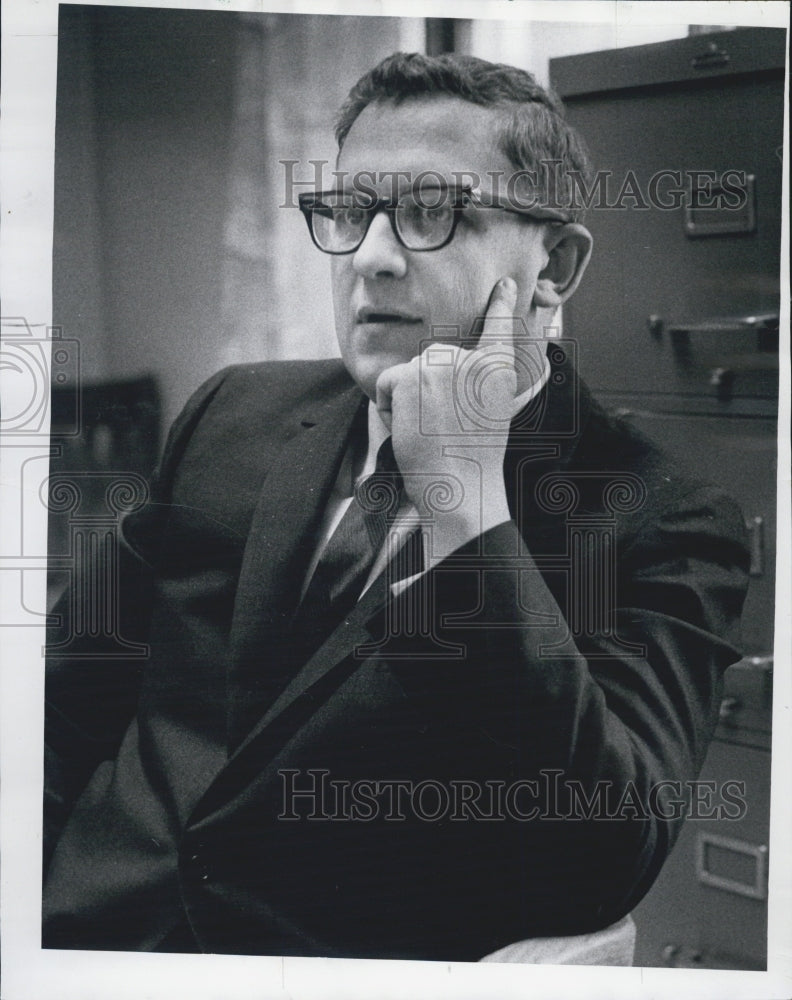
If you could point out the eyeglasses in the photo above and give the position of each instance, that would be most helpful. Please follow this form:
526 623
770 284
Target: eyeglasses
421 219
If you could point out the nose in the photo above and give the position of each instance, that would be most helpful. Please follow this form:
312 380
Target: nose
380 255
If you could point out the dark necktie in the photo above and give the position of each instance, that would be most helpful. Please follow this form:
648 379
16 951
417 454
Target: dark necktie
339 577
345 565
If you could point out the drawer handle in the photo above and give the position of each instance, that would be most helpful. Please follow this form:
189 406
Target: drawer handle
756 542
678 957
754 890
763 662
722 381
764 326
728 709
713 57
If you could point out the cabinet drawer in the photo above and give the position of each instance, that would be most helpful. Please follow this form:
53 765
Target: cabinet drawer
708 908
646 262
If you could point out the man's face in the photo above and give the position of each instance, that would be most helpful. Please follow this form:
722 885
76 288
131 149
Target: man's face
449 287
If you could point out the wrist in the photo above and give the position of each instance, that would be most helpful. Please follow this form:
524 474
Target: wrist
451 528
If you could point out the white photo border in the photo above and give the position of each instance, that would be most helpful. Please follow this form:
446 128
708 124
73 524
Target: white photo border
29 40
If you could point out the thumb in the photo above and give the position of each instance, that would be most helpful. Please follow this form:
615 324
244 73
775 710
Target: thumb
383 399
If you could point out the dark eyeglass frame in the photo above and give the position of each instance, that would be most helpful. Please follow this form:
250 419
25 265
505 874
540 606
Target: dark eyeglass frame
463 197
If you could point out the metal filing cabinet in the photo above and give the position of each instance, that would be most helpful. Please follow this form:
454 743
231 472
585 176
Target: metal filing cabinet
677 320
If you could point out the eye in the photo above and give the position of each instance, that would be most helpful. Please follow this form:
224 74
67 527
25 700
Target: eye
350 215
426 217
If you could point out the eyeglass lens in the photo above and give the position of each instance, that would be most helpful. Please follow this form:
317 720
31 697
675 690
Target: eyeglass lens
422 222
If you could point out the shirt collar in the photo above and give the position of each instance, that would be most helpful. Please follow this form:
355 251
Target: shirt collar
377 433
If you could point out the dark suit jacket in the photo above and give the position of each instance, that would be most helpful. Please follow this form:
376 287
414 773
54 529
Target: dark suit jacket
583 641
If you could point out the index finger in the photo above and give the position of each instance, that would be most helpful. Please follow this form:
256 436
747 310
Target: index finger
499 320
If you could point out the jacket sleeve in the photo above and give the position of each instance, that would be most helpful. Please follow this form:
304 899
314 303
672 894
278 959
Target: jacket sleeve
614 720
91 697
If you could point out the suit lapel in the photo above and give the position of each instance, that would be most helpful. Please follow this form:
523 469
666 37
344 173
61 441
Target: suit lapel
281 540
314 683
311 687
544 437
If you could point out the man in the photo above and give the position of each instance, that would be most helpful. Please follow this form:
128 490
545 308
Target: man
409 765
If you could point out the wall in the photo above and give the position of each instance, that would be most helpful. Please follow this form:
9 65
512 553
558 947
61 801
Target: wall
143 116
532 44
77 239
277 301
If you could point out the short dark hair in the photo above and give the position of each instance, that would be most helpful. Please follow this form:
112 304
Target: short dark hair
534 130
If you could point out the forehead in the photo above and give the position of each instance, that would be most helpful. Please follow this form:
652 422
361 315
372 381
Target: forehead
437 133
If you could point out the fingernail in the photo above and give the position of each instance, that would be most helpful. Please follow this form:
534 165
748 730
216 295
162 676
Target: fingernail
509 286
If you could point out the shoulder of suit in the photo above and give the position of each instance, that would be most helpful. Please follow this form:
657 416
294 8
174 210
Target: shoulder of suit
268 385
252 394
665 490
279 373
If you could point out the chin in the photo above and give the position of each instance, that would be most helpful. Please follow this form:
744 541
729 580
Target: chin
366 372
365 377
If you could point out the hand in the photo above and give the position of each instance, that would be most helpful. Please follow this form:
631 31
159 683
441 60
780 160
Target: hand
449 410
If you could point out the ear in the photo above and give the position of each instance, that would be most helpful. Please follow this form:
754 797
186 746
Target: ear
569 249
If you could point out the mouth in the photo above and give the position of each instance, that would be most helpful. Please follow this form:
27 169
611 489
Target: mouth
369 315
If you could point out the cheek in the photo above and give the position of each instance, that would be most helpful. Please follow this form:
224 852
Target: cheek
519 256
454 304
499 254
466 295
341 288
337 279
